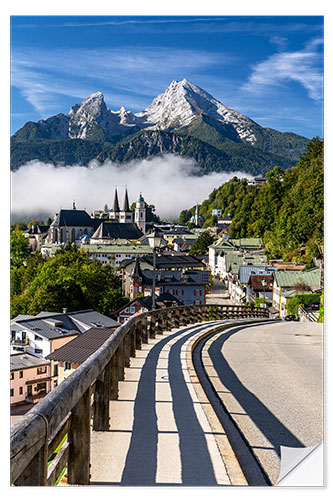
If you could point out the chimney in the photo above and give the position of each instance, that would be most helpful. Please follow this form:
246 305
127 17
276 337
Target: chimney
64 310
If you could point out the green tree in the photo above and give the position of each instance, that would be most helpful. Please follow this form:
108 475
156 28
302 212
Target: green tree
201 245
70 279
19 248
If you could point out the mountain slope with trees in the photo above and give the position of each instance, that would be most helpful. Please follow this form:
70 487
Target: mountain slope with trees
287 212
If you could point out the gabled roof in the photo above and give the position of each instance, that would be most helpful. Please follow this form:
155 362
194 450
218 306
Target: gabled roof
245 272
74 218
176 277
117 230
289 279
108 248
174 261
37 230
222 243
246 242
255 281
26 360
83 346
60 325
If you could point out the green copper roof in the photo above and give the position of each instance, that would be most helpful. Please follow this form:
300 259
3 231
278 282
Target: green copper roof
289 279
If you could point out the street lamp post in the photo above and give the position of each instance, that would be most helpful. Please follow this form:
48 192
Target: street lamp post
264 283
154 239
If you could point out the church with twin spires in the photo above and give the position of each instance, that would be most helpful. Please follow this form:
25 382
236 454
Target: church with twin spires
126 215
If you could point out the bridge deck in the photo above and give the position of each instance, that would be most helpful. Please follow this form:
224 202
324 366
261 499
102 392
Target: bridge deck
160 432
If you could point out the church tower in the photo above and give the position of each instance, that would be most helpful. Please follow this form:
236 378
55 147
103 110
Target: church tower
114 213
126 215
140 213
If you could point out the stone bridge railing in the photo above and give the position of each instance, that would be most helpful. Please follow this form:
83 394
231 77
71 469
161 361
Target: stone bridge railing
55 434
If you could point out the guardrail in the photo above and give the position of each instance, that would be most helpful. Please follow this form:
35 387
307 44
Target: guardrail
55 434
308 315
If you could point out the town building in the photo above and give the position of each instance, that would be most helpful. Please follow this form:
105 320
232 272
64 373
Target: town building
71 355
163 262
30 378
144 304
140 214
36 236
70 226
189 286
41 334
115 254
109 232
289 283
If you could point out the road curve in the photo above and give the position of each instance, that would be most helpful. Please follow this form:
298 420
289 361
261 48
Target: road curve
269 378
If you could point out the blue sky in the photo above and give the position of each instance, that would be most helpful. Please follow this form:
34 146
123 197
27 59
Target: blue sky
269 68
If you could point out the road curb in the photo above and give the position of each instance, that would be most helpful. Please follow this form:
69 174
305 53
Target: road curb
233 468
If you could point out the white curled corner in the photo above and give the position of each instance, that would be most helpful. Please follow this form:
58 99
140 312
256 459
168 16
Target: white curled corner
305 472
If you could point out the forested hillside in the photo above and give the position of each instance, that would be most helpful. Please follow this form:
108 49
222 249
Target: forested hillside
287 212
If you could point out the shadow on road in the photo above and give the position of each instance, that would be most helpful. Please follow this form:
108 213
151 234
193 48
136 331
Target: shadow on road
270 426
141 461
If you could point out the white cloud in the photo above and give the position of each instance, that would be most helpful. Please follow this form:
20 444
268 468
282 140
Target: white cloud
166 182
303 67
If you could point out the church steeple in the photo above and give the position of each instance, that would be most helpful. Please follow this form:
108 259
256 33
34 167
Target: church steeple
126 204
115 201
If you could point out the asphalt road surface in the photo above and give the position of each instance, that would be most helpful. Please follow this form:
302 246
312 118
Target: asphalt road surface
218 294
270 380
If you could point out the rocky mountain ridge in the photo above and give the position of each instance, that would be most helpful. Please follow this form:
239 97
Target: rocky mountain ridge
184 109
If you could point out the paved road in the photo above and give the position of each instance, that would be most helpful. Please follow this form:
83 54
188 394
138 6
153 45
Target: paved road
218 294
269 378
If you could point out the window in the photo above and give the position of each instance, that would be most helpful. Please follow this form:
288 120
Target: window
132 309
11 393
21 374
21 390
41 369
12 376
179 292
37 337
68 366
197 292
38 351
197 301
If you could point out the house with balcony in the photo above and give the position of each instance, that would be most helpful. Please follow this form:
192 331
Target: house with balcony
30 378
187 285
45 332
163 262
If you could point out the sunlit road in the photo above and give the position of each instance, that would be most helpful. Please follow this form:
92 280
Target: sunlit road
269 378
218 294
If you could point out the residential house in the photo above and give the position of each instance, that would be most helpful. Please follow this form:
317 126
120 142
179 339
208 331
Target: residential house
115 254
189 286
163 262
260 286
41 334
239 270
37 236
289 283
30 378
71 355
184 243
144 304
